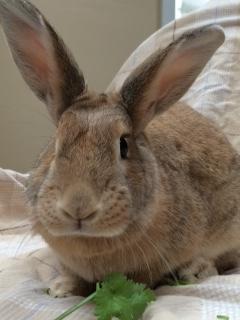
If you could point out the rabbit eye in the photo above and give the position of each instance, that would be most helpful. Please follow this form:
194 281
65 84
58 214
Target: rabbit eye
123 148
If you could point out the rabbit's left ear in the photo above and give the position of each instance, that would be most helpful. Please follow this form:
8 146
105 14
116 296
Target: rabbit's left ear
164 77
41 56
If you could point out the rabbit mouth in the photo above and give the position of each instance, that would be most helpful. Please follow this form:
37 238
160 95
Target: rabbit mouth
99 223
86 229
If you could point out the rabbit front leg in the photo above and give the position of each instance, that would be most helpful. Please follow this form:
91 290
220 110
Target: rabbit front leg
229 261
62 286
68 284
198 269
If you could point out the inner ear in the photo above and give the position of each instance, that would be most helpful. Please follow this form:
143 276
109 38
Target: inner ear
41 56
163 78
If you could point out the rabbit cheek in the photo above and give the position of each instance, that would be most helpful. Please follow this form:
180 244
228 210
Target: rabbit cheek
114 217
53 220
112 223
55 223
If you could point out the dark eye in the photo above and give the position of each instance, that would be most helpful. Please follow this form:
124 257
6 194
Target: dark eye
123 148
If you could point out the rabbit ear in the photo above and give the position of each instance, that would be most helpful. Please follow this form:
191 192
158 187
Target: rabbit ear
41 56
164 77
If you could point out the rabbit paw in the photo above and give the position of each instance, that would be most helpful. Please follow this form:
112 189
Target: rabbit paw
228 261
198 269
62 287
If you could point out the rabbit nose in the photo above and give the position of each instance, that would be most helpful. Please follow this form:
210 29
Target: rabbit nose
77 208
78 214
78 218
78 202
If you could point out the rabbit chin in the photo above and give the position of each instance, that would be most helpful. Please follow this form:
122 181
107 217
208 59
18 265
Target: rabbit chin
86 231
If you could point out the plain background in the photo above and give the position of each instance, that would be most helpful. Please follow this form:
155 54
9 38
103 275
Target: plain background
101 34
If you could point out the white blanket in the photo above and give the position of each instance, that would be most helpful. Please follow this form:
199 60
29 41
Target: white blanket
26 266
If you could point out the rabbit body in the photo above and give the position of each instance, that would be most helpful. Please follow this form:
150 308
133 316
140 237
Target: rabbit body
195 210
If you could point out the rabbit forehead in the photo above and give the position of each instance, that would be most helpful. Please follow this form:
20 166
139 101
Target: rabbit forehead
102 108
93 118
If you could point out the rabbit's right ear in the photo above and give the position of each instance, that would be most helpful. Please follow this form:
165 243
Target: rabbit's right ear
41 56
164 77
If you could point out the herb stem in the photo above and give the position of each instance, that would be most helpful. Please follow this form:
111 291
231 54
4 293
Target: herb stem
76 307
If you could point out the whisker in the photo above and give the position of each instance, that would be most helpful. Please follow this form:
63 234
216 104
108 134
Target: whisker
21 244
15 228
46 264
159 253
147 264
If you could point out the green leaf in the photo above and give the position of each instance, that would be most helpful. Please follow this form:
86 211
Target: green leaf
121 298
221 317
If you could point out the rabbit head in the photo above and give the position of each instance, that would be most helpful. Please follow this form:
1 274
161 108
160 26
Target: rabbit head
98 176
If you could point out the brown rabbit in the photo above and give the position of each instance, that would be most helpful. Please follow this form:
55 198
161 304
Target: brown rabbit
127 184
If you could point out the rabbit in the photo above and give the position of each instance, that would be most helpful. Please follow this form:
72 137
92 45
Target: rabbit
133 181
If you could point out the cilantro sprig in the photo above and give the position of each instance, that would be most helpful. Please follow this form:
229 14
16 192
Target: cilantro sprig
116 297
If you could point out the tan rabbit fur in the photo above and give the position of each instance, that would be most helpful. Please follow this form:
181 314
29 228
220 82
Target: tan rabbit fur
127 184
191 203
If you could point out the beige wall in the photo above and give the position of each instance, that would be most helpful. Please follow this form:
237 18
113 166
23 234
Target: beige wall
101 35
